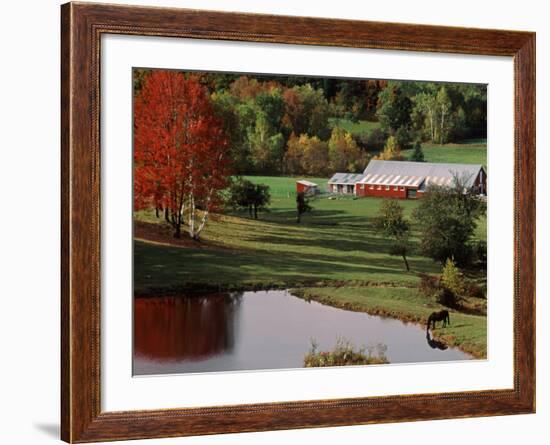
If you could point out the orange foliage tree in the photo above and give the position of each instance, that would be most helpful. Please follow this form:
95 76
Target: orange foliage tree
181 156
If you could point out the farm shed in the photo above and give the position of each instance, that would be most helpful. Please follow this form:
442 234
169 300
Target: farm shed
403 179
344 183
307 187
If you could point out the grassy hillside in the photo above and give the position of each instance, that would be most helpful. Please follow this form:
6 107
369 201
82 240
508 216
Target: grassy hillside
337 241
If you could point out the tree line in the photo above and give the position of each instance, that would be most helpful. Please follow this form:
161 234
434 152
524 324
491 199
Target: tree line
290 125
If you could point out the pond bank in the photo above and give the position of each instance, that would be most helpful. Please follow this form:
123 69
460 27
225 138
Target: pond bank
466 332
190 289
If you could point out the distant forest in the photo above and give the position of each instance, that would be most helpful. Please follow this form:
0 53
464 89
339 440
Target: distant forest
292 125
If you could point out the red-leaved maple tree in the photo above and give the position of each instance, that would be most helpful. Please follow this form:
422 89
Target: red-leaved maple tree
181 157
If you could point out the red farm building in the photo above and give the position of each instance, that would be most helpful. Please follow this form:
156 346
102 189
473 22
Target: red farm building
307 187
402 179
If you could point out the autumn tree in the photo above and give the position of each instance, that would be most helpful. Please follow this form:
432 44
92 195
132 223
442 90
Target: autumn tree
180 151
391 152
307 111
306 155
452 278
344 153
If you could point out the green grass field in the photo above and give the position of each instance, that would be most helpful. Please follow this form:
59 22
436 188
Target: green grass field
470 152
281 187
473 151
355 128
335 242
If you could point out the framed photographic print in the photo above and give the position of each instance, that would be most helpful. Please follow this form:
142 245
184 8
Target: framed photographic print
277 222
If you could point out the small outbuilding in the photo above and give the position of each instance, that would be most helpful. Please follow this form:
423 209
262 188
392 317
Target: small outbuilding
307 187
344 183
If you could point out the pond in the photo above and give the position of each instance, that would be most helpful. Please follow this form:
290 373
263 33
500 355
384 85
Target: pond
261 330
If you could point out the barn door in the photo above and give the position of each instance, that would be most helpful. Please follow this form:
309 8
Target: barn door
411 193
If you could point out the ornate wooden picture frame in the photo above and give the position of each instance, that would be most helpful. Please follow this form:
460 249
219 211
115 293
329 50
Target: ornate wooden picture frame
82 25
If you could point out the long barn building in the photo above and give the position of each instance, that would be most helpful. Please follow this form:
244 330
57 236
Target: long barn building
403 179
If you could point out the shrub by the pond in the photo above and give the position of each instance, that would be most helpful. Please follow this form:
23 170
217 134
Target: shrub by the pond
429 286
452 278
450 288
344 354
475 291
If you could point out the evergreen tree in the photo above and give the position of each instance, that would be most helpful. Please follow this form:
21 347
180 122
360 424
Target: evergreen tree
418 154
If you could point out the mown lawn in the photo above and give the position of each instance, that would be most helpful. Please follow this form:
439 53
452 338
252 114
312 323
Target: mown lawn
469 332
284 186
335 242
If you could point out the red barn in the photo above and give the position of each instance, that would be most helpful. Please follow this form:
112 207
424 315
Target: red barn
307 187
403 179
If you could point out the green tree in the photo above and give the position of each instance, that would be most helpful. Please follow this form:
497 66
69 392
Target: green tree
447 217
234 119
444 109
394 108
266 147
393 224
263 127
425 106
302 206
244 194
418 154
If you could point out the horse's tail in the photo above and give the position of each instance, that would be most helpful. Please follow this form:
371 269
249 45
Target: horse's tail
428 324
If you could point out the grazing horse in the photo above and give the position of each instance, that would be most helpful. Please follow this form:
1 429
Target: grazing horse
438 316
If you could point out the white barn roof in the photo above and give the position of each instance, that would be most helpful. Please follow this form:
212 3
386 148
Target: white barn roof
307 183
345 178
415 174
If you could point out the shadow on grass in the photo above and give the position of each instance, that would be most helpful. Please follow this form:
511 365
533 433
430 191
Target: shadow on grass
158 266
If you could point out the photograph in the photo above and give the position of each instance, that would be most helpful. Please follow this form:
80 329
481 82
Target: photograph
285 222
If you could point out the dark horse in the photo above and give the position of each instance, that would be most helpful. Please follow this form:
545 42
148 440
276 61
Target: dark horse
438 316
435 344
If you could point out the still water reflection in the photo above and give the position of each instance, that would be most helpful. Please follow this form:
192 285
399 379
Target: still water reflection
261 330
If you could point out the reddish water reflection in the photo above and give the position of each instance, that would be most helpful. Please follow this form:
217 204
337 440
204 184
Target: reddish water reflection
176 329
261 330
